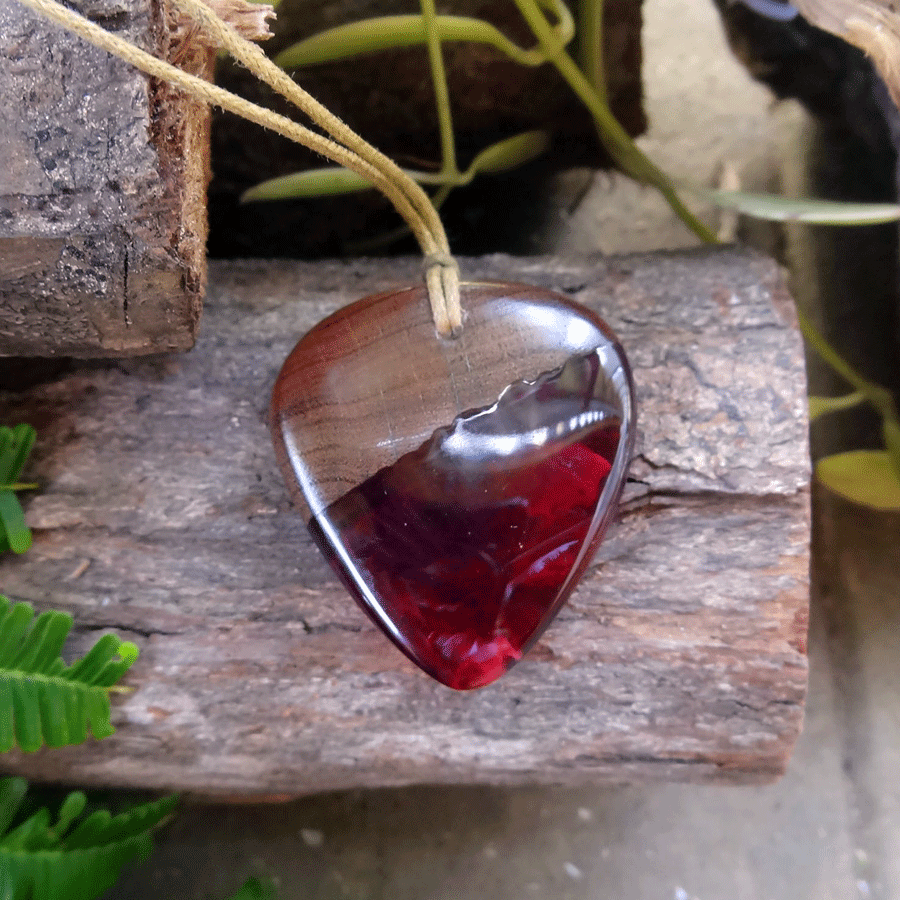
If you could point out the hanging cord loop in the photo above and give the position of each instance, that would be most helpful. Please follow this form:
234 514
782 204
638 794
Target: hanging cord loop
344 146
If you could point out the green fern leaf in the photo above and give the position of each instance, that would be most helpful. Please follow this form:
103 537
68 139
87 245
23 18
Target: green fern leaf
15 445
42 701
45 860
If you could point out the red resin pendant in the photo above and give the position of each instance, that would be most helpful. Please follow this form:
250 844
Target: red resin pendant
459 488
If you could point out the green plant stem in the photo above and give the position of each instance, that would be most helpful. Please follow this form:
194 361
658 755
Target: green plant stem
880 397
590 38
441 91
616 140
820 406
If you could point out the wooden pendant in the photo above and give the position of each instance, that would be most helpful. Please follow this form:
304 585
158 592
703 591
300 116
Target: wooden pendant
458 487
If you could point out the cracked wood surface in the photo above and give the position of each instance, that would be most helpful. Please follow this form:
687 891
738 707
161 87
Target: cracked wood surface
103 178
682 655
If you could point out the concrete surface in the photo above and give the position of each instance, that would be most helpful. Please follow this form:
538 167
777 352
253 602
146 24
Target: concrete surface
829 829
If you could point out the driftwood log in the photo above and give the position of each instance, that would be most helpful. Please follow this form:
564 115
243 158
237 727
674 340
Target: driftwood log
682 655
103 177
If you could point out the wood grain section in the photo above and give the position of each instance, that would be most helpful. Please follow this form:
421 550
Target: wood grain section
103 177
681 656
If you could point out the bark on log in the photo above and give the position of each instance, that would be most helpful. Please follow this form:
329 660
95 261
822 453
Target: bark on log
103 177
680 656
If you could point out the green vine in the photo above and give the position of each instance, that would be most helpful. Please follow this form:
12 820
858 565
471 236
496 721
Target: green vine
586 78
588 82
870 477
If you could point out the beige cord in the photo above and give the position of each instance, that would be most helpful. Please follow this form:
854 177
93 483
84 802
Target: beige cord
348 149
442 279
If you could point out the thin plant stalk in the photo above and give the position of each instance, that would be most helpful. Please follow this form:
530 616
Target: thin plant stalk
441 90
590 38
880 397
616 140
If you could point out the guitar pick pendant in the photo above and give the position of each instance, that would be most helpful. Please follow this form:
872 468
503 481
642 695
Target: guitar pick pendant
458 487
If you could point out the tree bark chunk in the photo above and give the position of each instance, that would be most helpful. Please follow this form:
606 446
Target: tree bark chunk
103 176
682 655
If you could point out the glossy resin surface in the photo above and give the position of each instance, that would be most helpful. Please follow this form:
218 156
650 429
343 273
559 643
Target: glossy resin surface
458 488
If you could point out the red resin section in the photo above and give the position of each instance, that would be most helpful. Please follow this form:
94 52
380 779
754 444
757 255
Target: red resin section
470 566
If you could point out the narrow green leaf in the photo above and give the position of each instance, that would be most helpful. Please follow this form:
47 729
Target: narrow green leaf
13 520
891 430
812 211
72 807
54 717
392 32
105 663
23 441
92 663
325 182
42 702
44 642
7 717
30 834
96 703
332 180
880 397
820 406
125 656
76 713
102 828
12 793
88 668
15 620
7 453
90 832
27 712
866 477
511 152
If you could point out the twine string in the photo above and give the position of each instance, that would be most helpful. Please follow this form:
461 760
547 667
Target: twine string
442 279
344 146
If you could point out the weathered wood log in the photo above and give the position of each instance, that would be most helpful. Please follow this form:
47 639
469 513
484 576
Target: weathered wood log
103 177
681 655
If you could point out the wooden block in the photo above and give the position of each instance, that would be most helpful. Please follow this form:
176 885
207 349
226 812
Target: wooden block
681 656
103 177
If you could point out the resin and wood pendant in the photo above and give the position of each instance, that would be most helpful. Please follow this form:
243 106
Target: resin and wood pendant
458 487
